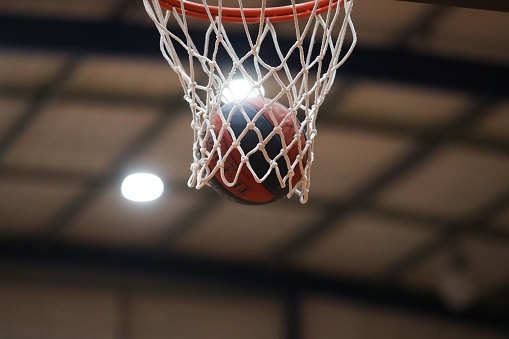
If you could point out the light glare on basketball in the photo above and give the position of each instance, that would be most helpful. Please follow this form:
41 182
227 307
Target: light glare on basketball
240 89
142 187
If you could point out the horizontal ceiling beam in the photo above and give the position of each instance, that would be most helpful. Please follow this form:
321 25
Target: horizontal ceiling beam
20 253
380 64
491 5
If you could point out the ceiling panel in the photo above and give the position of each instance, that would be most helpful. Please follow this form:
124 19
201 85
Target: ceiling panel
244 232
116 221
385 22
27 205
401 105
363 245
485 37
212 316
347 159
83 137
496 124
136 14
11 110
19 69
139 78
172 152
454 183
56 312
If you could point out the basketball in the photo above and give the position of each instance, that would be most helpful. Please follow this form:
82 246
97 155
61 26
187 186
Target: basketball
247 190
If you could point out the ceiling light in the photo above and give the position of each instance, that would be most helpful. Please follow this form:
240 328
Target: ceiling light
240 89
142 187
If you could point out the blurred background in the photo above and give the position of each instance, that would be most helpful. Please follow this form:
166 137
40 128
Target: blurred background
406 232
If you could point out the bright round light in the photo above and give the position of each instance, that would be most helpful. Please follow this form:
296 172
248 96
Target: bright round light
142 187
240 89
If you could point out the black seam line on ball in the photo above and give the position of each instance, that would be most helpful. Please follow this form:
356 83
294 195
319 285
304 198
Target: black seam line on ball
273 147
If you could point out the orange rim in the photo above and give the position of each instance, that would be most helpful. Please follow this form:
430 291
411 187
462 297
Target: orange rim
251 15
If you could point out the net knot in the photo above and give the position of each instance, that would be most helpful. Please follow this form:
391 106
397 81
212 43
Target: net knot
296 76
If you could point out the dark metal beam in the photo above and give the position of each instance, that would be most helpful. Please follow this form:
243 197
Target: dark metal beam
492 5
286 284
82 37
40 100
420 69
293 313
114 38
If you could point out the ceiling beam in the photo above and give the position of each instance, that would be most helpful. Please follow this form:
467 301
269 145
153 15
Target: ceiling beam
37 103
450 234
384 64
251 278
491 5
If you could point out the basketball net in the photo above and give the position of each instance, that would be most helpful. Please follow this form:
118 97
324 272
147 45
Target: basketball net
291 59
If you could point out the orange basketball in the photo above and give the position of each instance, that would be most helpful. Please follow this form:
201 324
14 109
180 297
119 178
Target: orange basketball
247 190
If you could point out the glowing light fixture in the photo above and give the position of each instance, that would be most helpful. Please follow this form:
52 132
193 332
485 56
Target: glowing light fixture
142 187
239 89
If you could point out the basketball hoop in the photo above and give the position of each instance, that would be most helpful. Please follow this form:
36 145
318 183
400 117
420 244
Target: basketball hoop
250 15
287 55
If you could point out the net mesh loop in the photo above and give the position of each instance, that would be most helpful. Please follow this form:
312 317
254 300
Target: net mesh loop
287 55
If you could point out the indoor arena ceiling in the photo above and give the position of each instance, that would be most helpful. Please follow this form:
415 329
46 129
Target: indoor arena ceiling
410 180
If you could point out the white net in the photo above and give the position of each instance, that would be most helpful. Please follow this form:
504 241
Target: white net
286 69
